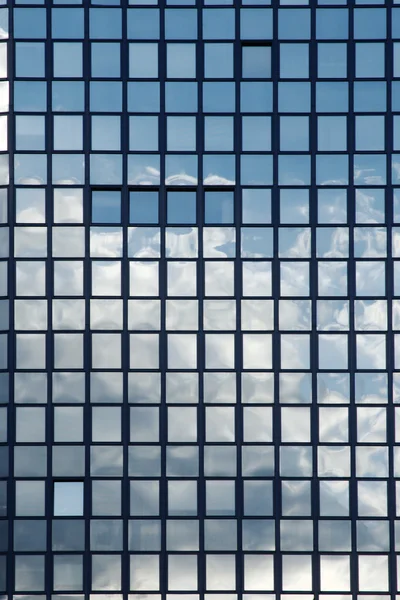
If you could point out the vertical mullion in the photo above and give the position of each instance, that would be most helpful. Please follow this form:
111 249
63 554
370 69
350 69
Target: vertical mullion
351 274
313 298
124 128
87 290
11 292
163 298
315 561
238 293
200 290
390 361
49 289
276 265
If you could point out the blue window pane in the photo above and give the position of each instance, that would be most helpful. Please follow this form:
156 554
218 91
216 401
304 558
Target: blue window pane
256 133
143 133
143 61
294 170
67 59
29 59
294 97
256 206
218 207
395 23
143 207
370 169
369 23
255 96
218 61
106 59
332 61
370 96
105 23
370 60
105 96
181 61
67 23
218 24
332 24
181 169
294 24
68 96
396 95
180 24
218 133
29 23
219 169
332 133
105 169
370 133
332 170
106 207
181 207
255 169
294 133
144 96
181 96
332 96
256 62
143 23
256 24
219 97
144 169
294 61
68 169
30 169
30 96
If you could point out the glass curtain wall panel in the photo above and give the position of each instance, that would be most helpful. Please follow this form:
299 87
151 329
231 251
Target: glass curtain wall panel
199 300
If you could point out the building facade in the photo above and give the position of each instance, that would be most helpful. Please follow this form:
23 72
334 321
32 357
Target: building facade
200 300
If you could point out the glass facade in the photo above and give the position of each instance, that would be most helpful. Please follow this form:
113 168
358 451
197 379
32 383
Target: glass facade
199 300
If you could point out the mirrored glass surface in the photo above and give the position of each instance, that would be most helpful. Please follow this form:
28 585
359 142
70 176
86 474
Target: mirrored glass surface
199 300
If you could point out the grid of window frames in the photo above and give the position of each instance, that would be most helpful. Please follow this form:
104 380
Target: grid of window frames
200 300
